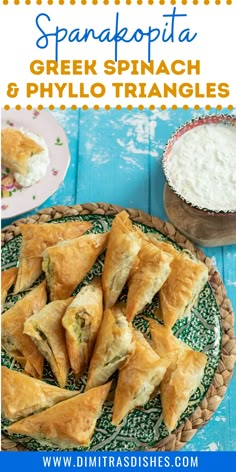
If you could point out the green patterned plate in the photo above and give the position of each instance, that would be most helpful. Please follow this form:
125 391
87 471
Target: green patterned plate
143 427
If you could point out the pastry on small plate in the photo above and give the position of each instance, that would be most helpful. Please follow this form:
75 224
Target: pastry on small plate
8 278
123 247
183 375
14 341
81 321
68 262
22 395
18 147
35 240
113 346
68 424
150 271
46 330
138 378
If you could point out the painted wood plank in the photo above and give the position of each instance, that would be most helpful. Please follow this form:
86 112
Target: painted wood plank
113 158
219 433
229 253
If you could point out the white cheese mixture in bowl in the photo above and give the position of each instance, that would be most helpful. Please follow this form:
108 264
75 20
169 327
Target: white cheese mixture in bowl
200 163
37 165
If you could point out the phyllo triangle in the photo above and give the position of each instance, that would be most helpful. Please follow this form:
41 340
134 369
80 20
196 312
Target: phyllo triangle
68 424
123 247
113 346
138 378
183 375
22 395
150 271
179 383
67 263
81 321
15 342
16 149
181 290
46 330
35 240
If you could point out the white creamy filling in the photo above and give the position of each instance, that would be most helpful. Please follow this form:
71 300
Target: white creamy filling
201 166
37 164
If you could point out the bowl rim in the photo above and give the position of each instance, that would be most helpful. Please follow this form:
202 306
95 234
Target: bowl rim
182 129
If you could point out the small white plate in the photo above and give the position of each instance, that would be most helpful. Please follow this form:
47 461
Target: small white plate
44 124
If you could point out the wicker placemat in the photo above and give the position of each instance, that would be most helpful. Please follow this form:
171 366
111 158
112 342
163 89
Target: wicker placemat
224 372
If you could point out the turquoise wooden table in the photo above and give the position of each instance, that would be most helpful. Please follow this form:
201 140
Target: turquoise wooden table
116 158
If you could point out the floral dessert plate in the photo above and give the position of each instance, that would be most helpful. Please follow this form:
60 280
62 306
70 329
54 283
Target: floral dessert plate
143 428
15 199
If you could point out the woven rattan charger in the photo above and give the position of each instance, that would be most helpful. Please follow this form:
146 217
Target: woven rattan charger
217 390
